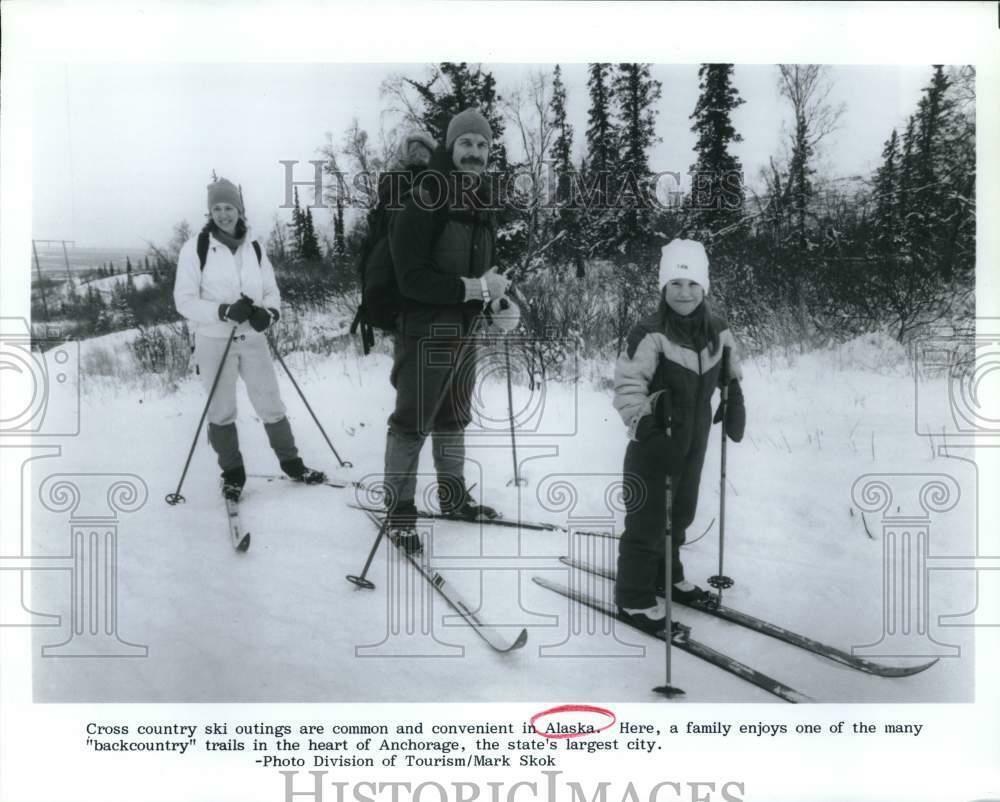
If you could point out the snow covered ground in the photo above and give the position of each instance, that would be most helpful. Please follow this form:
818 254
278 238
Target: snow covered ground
281 624
106 285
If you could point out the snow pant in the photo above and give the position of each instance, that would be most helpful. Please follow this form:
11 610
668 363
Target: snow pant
641 567
433 396
250 359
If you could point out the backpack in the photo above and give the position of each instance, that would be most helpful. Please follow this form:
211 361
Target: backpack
381 301
203 249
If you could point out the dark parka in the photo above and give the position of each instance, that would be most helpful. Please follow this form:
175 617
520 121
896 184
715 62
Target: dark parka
445 231
434 244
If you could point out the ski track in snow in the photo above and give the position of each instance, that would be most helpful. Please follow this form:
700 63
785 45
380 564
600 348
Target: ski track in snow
281 624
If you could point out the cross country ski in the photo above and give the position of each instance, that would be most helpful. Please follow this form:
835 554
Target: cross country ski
681 639
778 632
239 536
487 632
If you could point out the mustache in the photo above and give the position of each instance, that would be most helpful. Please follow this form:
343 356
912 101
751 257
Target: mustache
473 160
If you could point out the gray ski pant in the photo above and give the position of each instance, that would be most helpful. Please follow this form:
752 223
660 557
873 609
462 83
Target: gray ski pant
249 359
433 396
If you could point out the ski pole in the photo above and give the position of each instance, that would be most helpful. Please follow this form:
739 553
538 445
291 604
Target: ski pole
668 690
517 481
720 581
302 395
176 497
362 580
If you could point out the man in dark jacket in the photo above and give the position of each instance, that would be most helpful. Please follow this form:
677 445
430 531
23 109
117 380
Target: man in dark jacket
442 245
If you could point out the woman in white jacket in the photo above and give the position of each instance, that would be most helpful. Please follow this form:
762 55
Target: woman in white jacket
226 289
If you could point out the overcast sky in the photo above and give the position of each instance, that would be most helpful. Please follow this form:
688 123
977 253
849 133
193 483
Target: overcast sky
123 152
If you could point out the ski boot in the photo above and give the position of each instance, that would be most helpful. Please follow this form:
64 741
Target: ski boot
233 480
406 539
684 592
460 505
654 620
649 619
401 528
295 469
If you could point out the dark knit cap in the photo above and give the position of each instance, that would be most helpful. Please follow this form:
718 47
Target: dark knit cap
469 121
224 191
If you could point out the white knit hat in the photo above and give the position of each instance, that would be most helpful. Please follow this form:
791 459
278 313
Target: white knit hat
684 258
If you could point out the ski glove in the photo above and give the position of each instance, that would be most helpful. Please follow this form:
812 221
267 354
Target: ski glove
238 312
261 318
657 420
653 433
736 413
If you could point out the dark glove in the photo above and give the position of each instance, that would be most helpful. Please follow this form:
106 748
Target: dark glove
657 420
261 318
237 312
654 433
736 413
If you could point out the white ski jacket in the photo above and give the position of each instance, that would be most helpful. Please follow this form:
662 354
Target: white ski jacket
198 293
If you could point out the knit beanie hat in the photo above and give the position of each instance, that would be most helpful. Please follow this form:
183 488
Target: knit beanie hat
469 121
684 258
224 191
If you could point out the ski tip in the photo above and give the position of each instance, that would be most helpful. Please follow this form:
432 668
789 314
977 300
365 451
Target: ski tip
520 641
903 671
244 544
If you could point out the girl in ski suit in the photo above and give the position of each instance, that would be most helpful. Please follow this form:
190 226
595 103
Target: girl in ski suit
225 287
663 389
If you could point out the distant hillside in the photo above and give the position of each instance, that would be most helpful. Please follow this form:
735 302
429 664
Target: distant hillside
106 286
82 260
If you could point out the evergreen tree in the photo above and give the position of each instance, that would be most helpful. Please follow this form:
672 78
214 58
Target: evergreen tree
636 93
128 266
599 186
298 228
566 218
921 252
929 210
310 245
562 146
716 175
907 172
339 232
454 87
887 222
602 137
276 243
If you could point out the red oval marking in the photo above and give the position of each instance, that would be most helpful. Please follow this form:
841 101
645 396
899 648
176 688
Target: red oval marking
573 709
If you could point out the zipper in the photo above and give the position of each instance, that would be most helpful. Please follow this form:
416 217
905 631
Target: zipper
472 246
213 243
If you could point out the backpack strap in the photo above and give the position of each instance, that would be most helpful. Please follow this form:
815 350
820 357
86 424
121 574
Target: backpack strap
203 250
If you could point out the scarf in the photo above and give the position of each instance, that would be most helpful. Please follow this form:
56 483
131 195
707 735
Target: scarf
692 330
234 241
